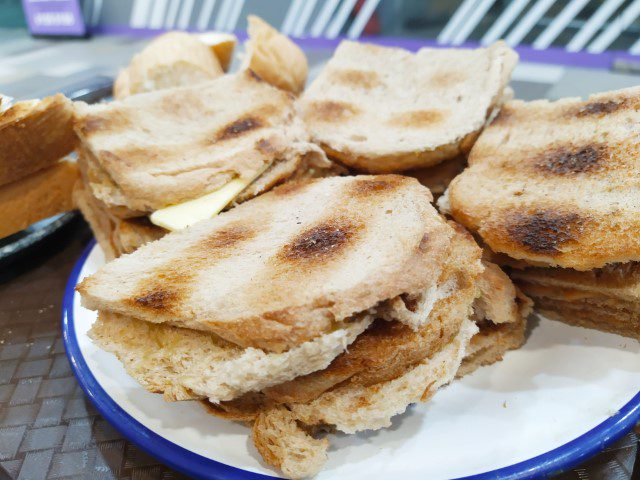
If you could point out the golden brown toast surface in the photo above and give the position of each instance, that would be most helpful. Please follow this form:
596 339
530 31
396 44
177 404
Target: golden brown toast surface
285 267
555 183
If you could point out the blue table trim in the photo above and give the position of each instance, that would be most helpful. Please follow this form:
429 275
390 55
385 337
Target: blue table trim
197 466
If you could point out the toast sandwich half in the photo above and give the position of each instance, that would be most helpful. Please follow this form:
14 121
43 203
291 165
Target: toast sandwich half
382 110
551 188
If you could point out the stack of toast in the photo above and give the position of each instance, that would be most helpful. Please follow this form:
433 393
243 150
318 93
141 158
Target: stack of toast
276 253
327 303
550 190
309 303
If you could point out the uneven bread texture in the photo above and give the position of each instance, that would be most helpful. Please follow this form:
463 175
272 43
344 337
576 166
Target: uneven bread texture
183 364
274 57
606 318
380 109
34 134
115 236
552 183
603 310
438 177
489 345
99 221
152 150
336 246
38 196
285 445
282 435
174 59
500 301
388 348
353 408
619 281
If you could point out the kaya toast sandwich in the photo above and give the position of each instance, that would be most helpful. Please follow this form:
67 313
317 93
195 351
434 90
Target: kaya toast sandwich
551 189
382 110
216 143
260 324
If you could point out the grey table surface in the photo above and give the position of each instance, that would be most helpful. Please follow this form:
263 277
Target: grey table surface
48 428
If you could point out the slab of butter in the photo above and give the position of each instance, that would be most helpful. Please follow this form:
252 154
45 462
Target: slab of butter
182 215
221 44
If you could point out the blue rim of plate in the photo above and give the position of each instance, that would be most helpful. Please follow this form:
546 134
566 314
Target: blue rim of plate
197 466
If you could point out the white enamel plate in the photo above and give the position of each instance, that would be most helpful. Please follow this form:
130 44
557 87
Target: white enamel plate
562 397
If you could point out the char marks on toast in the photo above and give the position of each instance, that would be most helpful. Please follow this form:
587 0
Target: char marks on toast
430 105
161 148
321 244
571 200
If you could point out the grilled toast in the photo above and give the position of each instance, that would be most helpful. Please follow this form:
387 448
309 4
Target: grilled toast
380 109
553 183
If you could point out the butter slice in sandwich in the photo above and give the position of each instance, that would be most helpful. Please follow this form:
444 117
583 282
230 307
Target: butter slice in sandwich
185 214
221 44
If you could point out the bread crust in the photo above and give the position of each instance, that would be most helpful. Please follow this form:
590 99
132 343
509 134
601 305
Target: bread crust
274 57
38 196
366 89
337 219
34 135
115 236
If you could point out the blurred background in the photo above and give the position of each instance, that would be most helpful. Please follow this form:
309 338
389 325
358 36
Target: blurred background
556 40
578 25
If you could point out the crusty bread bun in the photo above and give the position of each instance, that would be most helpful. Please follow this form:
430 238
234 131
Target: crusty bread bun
40 195
274 57
34 134
173 59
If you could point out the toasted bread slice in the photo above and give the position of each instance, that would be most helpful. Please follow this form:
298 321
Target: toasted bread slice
115 236
34 134
620 281
274 57
588 310
153 150
281 434
101 223
354 408
338 246
38 196
549 182
438 177
380 109
388 348
489 345
184 364
173 59
603 299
